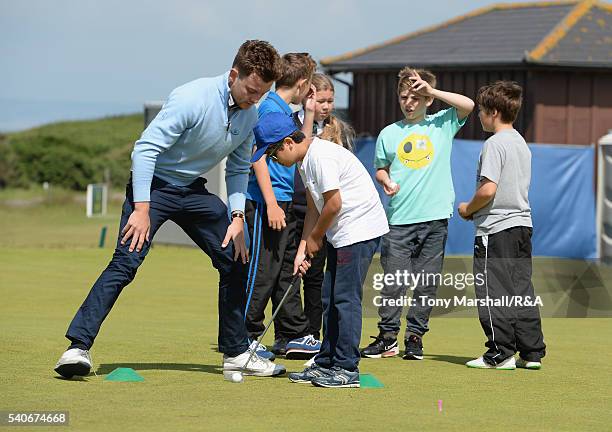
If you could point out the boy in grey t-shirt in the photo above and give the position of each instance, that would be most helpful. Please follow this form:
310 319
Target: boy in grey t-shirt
507 305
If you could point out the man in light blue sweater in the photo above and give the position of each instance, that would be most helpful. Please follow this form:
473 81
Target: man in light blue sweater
201 123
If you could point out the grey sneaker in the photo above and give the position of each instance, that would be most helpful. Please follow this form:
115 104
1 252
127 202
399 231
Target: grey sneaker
338 378
74 361
308 374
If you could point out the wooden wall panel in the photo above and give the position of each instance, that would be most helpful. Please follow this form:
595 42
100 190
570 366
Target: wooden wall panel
579 109
558 107
602 106
473 124
551 108
529 103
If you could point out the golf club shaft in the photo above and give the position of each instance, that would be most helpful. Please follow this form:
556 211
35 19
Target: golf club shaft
295 279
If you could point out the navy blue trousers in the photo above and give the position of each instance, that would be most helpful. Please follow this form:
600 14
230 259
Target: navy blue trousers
203 216
347 268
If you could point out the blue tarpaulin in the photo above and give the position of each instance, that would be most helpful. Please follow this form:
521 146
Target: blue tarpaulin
562 197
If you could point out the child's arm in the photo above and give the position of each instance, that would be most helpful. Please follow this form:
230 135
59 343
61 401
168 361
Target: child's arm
484 194
316 227
309 111
310 220
276 215
331 208
389 186
463 104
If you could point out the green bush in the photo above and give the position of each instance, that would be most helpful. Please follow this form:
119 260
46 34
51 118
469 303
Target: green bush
70 154
58 161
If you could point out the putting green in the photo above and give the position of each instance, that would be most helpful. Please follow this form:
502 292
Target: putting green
164 326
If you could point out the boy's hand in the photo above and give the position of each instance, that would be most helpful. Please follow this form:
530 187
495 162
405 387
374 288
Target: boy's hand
276 217
137 227
462 209
390 187
419 86
310 100
313 245
300 264
235 232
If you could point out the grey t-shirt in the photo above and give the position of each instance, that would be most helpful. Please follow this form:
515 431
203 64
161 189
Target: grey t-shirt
506 160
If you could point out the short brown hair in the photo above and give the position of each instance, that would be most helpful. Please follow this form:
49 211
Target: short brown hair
296 66
504 96
259 57
406 73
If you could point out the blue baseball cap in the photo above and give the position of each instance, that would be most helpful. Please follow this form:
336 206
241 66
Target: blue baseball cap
270 129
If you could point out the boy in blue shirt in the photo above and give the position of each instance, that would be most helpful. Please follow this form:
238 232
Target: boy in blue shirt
413 166
201 123
272 226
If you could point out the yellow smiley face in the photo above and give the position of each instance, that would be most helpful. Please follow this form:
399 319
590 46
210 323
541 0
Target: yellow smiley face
416 151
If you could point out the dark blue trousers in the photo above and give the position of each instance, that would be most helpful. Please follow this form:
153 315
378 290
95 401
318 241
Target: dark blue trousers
347 268
203 216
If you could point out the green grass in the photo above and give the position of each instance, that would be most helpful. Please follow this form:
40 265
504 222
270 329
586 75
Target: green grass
165 327
34 220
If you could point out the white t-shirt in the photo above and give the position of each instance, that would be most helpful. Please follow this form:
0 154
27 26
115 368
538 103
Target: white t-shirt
328 166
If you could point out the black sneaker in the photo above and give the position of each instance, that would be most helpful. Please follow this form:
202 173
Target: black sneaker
414 348
280 347
381 347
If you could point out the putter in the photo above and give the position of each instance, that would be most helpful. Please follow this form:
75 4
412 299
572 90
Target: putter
295 279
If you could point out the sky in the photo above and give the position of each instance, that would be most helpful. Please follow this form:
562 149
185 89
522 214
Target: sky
66 59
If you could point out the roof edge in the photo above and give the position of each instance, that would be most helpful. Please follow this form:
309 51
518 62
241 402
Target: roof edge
326 61
553 38
396 66
604 6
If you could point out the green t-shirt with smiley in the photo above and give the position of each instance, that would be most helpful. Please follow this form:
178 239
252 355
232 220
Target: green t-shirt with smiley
418 156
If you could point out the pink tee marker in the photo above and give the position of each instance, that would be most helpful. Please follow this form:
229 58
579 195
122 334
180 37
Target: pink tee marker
439 405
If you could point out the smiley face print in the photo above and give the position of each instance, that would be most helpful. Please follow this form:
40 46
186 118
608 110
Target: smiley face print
416 151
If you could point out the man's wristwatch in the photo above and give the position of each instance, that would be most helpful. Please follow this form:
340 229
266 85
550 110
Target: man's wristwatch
238 214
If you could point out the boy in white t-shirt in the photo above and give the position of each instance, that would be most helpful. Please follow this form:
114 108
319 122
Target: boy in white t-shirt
344 205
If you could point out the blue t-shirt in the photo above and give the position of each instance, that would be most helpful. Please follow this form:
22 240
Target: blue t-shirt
280 176
418 157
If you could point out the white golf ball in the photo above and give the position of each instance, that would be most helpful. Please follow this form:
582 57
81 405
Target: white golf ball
392 185
235 377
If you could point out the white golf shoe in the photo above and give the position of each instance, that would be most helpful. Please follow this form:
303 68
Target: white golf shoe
73 362
257 366
479 363
524 364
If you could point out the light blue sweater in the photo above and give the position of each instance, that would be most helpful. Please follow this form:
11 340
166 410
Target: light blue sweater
192 134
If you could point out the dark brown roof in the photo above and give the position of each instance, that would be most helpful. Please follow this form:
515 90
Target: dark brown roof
562 33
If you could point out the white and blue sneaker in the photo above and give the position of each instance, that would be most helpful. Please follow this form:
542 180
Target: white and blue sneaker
338 378
308 374
262 351
302 348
